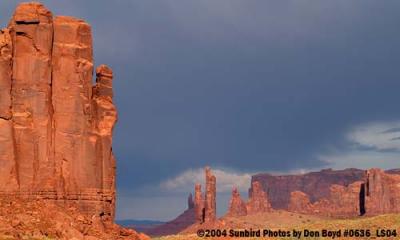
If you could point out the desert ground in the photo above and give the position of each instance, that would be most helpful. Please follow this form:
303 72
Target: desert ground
287 221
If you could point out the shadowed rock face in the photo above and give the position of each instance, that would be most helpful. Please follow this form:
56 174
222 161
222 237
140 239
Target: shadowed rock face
55 126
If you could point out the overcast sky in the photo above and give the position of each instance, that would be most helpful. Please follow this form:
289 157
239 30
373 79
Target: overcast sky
243 86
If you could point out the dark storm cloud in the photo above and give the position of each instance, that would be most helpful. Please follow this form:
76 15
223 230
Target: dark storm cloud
251 85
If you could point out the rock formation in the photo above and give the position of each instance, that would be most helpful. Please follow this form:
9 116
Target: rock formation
299 202
205 205
258 199
382 192
378 193
237 207
55 127
315 184
341 202
210 204
198 204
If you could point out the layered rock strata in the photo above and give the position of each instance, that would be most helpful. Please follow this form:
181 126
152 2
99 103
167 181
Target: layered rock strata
55 126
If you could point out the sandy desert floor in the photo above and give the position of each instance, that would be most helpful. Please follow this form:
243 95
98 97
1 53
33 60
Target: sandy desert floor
289 221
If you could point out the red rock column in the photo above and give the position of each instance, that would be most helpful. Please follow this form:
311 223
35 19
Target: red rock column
210 196
32 33
105 117
8 167
258 200
198 203
237 207
72 89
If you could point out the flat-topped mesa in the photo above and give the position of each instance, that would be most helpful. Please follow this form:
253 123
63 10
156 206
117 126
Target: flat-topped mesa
258 200
237 207
55 126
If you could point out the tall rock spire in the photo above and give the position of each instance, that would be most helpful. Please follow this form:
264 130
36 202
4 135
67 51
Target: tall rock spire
210 196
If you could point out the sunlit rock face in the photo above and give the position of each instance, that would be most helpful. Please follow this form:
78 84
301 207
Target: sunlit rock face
258 200
378 193
55 126
237 207
382 192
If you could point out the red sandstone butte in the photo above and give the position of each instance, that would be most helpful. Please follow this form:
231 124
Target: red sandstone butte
258 200
237 207
55 127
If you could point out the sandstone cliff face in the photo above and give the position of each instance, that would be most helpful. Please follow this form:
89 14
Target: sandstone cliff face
378 193
55 127
382 192
237 207
258 200
315 184
341 202
299 202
